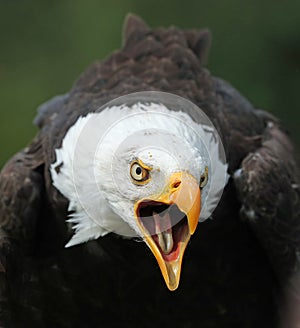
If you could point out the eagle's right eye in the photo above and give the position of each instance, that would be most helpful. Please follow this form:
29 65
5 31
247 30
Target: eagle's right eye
139 173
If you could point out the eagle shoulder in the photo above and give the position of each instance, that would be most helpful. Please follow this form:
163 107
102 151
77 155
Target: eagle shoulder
268 188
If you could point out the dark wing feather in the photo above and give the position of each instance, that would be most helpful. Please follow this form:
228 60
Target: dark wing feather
49 110
21 190
268 188
265 171
31 232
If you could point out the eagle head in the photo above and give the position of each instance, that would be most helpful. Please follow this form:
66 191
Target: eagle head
148 165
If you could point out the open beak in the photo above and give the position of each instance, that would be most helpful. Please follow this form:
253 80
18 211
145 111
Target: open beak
167 222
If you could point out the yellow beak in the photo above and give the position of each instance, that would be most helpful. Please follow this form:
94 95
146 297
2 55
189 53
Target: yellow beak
167 222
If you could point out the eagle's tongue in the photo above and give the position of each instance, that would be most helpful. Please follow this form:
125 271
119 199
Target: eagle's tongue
163 230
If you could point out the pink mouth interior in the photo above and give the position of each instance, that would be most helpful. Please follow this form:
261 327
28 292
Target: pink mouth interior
171 218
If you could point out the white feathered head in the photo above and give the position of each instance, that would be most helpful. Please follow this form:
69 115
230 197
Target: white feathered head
148 164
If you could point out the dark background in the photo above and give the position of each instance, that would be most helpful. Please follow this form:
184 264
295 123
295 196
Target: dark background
45 45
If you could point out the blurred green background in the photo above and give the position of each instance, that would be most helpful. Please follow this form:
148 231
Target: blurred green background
45 45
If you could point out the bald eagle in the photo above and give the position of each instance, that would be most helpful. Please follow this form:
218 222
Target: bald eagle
145 145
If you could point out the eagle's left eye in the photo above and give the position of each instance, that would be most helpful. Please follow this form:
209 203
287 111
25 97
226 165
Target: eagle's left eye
204 178
139 173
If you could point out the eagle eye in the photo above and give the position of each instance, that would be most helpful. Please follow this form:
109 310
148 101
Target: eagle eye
139 173
204 178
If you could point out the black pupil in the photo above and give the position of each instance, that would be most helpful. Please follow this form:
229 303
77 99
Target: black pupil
138 170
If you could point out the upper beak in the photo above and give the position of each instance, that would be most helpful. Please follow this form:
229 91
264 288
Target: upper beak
172 228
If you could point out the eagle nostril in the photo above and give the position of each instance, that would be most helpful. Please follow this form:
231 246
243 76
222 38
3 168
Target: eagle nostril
176 184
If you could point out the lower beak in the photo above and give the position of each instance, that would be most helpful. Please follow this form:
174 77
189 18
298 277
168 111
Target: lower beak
167 222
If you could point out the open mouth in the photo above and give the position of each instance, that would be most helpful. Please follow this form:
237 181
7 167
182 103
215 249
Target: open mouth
166 225
166 222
